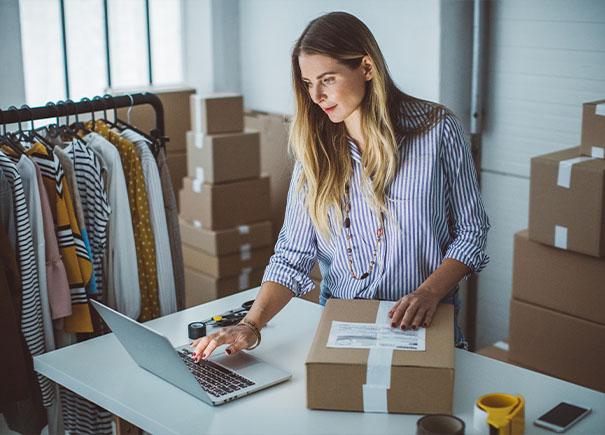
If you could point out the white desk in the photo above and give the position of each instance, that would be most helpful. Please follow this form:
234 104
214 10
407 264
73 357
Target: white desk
101 371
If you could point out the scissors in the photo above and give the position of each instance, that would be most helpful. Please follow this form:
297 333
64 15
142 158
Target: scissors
230 317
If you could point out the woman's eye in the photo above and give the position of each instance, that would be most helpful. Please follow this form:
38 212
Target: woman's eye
328 81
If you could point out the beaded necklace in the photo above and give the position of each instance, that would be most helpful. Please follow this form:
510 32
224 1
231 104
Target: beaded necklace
347 226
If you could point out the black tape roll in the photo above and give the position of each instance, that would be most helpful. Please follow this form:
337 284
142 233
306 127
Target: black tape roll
196 330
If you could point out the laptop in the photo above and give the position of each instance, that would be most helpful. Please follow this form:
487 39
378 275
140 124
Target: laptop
217 380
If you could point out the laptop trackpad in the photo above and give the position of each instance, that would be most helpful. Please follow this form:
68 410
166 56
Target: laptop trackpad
236 362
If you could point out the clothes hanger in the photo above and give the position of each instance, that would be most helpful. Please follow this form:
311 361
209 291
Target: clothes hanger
8 138
153 143
66 132
33 133
78 127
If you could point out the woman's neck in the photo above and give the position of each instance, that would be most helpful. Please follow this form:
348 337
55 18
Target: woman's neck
353 126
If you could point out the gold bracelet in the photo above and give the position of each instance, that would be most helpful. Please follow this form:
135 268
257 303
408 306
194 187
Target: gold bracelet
254 329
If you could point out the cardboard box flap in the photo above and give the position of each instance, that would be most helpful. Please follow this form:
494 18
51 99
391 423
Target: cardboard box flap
593 165
439 337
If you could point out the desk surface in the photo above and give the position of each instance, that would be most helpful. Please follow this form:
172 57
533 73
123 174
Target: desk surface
101 371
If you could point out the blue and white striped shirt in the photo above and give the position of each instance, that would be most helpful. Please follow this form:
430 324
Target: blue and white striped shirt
439 214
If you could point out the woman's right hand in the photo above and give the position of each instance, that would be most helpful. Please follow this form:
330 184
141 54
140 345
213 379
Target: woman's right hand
238 337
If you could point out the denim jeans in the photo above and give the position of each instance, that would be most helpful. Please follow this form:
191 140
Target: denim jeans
459 340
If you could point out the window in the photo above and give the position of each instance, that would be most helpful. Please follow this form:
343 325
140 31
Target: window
78 48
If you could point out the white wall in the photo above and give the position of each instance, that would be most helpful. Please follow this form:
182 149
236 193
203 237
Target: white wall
12 85
406 31
547 57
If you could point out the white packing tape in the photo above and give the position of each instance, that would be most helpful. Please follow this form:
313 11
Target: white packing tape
243 229
195 104
197 224
480 421
199 174
561 237
244 278
378 374
597 152
600 109
564 175
501 345
196 184
245 252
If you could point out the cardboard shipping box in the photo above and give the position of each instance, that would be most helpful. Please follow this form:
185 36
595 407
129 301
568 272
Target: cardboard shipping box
567 202
177 164
200 288
175 101
421 382
223 157
217 113
224 206
497 351
593 129
229 265
559 280
557 344
238 240
275 161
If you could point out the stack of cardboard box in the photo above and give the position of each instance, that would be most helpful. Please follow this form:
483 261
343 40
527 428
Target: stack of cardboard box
225 207
557 321
175 101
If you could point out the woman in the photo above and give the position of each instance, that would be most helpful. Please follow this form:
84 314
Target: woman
384 191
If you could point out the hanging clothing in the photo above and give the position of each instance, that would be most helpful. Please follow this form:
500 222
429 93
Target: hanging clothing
31 309
7 211
95 207
157 216
174 232
27 170
56 276
122 288
73 250
13 374
139 209
70 176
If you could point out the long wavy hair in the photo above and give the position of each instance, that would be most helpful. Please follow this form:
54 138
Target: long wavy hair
321 145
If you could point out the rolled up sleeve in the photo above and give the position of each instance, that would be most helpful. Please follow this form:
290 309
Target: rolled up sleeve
469 222
296 247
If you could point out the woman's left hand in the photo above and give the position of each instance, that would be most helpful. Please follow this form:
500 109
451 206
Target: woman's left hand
414 310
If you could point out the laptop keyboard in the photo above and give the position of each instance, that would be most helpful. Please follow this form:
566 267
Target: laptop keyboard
214 379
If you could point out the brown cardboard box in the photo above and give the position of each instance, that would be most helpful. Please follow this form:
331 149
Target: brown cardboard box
557 344
229 265
421 382
497 351
200 288
225 242
175 101
593 129
224 157
567 204
559 280
217 113
177 163
275 161
223 206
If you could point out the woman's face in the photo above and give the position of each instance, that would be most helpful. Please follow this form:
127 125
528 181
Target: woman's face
334 87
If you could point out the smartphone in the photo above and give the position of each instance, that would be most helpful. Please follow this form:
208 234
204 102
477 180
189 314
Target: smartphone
562 417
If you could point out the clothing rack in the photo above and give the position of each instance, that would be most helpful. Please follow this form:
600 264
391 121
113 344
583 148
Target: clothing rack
86 105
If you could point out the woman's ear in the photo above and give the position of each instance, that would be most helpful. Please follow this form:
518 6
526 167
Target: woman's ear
368 68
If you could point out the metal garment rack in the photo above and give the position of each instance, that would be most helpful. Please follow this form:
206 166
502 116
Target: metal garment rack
97 104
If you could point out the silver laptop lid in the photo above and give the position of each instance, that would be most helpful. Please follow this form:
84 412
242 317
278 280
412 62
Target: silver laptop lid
151 351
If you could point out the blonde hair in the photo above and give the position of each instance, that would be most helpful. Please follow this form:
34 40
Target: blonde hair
321 146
